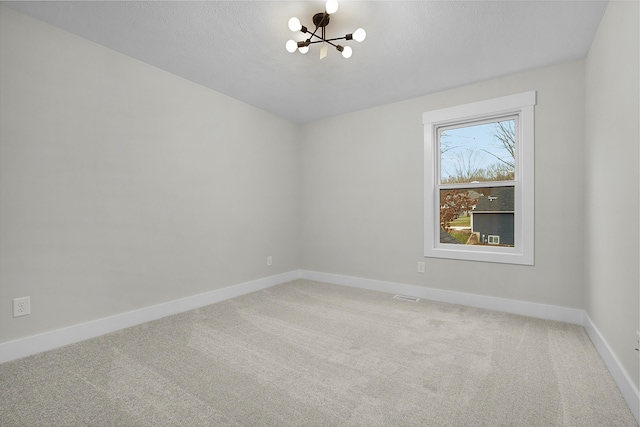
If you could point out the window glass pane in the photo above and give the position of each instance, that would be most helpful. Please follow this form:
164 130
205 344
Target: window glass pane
478 152
477 216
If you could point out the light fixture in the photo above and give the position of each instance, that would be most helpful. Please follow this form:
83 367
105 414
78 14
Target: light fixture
321 20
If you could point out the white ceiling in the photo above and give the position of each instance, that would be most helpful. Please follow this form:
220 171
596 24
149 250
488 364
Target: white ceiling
412 48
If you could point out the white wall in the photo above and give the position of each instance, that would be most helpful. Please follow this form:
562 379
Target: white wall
123 186
363 199
612 181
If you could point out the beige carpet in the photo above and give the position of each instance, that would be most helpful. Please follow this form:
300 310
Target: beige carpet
313 354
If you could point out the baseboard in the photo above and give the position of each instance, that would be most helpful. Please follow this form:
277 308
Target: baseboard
23 347
619 374
543 311
532 309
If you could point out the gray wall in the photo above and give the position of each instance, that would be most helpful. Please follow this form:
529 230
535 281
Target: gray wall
363 200
123 186
612 182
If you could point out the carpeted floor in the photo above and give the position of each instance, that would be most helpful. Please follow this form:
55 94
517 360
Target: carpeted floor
314 354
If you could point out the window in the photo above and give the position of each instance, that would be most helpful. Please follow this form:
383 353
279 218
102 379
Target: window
479 180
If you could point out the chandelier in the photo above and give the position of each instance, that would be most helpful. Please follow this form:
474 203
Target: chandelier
321 20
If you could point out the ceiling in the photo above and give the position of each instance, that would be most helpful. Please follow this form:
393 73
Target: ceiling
412 48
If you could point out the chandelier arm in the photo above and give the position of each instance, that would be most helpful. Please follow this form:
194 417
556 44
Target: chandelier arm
314 33
334 45
337 38
326 41
317 36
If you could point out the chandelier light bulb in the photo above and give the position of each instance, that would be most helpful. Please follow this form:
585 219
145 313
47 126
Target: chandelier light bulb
291 46
347 52
331 6
359 35
294 24
303 49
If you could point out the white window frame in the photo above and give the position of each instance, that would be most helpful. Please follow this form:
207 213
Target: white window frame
493 239
520 105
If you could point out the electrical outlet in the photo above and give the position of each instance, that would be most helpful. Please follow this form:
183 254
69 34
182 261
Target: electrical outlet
269 261
21 306
421 267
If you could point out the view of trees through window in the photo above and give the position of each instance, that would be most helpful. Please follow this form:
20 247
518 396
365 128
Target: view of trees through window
477 153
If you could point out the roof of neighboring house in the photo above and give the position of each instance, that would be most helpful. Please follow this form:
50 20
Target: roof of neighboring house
495 199
448 238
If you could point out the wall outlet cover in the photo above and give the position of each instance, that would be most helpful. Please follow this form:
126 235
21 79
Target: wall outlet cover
21 306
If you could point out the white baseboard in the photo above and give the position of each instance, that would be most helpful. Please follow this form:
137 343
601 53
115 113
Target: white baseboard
543 311
532 309
16 349
619 374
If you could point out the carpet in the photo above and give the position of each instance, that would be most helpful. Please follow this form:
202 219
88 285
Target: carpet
315 354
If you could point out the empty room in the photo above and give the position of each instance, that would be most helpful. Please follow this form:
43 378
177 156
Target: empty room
367 213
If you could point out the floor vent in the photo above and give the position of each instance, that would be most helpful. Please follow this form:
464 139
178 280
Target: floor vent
406 298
